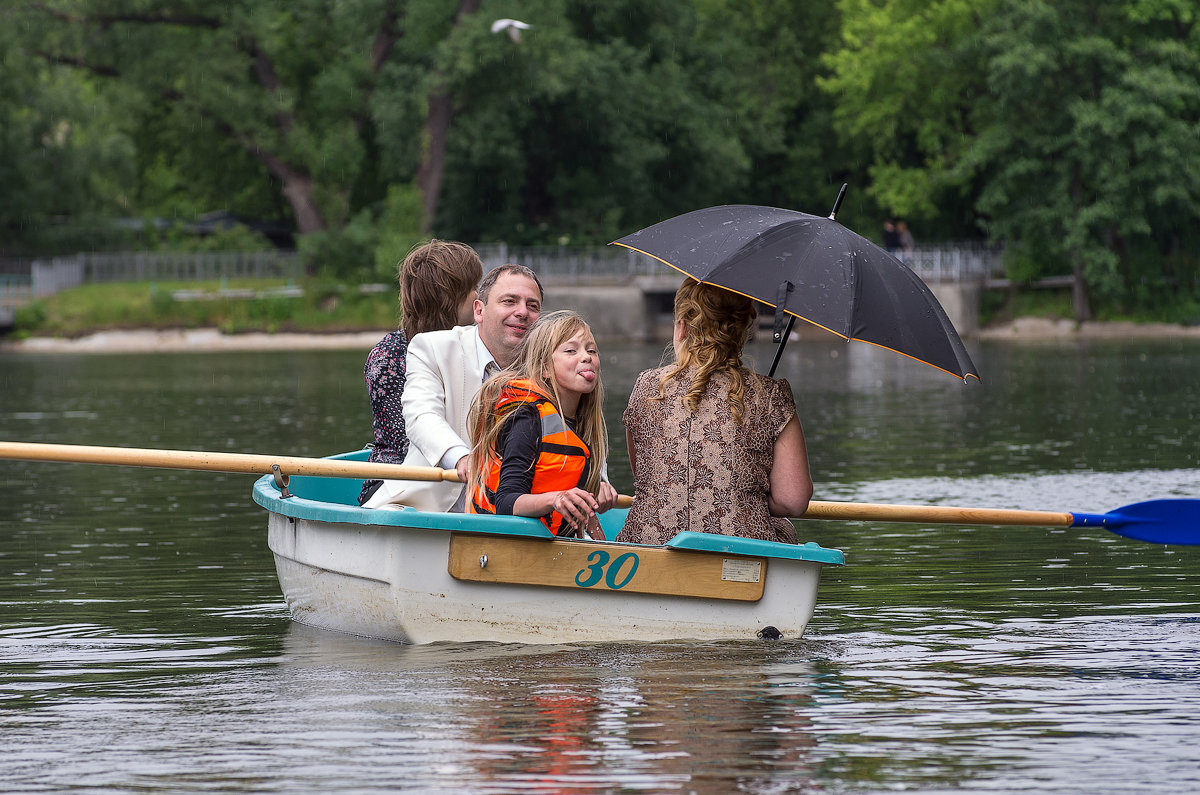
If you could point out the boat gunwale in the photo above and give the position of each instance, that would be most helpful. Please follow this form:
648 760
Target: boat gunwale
268 495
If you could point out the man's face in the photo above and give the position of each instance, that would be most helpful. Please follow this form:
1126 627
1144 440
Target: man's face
513 306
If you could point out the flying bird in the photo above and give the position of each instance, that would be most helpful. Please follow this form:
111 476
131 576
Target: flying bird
513 26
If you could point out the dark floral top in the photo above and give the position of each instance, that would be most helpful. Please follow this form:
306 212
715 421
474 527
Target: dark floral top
384 373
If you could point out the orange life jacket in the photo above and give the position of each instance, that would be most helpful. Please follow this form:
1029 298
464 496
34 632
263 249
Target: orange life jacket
561 456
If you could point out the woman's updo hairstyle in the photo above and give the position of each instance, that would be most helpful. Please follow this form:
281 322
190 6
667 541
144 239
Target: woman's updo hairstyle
717 323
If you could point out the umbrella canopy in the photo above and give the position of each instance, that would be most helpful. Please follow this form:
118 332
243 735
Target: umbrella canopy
811 268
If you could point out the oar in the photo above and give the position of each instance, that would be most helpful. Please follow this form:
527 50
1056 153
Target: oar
1158 521
219 462
1174 521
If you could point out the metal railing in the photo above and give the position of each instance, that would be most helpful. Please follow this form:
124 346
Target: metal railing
958 262
189 266
15 290
595 264
963 262
40 278
948 262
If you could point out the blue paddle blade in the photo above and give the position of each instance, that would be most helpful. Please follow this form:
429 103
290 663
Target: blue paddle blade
1156 521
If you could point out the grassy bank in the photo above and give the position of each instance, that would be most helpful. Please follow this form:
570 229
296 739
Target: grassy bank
1004 306
320 306
234 306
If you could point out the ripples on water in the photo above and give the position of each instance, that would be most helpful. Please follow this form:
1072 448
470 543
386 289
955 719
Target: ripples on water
144 644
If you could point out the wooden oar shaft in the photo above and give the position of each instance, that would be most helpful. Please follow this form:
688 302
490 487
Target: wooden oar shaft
937 514
326 467
219 462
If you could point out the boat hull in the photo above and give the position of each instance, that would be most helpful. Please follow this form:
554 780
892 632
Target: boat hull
415 577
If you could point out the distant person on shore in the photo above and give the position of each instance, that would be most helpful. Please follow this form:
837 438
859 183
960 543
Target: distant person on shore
891 238
437 291
907 244
445 371
714 447
538 435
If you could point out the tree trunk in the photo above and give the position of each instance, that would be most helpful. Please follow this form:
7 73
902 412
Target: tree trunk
435 131
299 193
433 156
297 189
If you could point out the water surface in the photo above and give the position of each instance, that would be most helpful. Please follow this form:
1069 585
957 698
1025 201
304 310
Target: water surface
144 644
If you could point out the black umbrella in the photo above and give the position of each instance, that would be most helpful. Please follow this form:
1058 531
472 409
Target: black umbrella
811 268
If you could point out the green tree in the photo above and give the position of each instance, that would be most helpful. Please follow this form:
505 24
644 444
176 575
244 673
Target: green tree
590 124
606 117
281 88
1089 148
907 84
763 59
1067 128
64 152
600 118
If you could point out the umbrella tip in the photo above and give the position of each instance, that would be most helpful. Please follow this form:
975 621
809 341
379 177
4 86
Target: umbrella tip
838 202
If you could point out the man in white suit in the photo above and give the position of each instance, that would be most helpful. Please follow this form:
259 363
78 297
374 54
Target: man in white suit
445 369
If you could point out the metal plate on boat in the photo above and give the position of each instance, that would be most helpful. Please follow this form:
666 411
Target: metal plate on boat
738 570
605 567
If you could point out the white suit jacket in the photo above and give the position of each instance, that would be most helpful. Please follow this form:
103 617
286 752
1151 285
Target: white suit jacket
442 378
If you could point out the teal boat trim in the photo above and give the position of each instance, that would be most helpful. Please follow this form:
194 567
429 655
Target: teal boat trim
736 545
336 500
305 504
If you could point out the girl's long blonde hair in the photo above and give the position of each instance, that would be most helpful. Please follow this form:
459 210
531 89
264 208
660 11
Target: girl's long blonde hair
718 325
534 363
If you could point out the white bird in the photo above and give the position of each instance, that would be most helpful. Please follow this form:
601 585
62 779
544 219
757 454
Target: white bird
513 26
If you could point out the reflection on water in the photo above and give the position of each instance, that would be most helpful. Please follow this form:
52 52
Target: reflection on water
144 644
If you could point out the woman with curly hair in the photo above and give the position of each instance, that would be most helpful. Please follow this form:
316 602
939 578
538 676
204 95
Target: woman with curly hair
715 447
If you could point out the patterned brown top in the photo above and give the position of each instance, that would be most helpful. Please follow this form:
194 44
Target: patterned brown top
702 471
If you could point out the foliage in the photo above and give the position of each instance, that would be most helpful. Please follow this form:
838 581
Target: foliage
1002 306
906 87
345 252
64 151
1069 126
1066 130
323 306
399 230
236 237
1083 183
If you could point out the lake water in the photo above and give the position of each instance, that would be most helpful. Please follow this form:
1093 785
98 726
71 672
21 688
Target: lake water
144 644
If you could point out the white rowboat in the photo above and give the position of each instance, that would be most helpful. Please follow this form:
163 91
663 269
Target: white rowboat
418 577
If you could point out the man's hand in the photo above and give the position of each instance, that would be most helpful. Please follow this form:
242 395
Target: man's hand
463 468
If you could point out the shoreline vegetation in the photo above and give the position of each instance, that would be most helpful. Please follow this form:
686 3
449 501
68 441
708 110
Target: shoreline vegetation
1025 329
244 315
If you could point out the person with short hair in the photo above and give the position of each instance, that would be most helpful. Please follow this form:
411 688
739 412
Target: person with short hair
714 447
445 370
437 291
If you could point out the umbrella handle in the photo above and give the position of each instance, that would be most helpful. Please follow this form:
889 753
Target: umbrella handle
838 202
782 342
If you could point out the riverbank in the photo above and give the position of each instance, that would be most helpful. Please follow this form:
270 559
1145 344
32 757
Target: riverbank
191 341
1027 329
1033 329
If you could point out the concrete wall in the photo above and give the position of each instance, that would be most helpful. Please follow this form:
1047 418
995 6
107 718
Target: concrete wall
614 312
627 312
961 302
